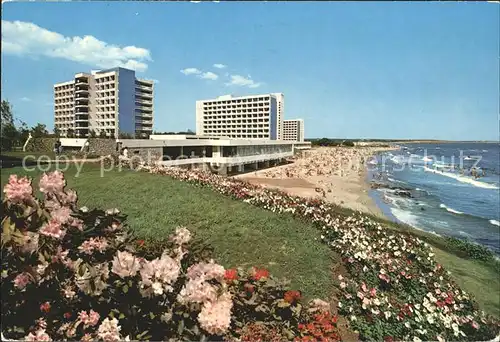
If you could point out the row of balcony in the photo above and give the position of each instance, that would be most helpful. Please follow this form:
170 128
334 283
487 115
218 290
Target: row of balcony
227 102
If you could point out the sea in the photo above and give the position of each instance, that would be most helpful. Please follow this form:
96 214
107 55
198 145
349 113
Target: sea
450 189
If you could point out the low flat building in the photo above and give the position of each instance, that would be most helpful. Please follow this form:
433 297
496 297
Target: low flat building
219 155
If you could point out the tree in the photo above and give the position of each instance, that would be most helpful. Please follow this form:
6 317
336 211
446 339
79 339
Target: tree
39 131
102 134
92 134
8 131
57 132
70 133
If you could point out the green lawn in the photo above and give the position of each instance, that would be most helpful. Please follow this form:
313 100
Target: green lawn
242 235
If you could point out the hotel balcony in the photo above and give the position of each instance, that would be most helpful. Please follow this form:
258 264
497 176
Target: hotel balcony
81 81
143 94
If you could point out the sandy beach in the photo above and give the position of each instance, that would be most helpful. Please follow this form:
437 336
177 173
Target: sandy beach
336 174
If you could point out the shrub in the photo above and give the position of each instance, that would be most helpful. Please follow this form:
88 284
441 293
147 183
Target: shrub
79 274
471 249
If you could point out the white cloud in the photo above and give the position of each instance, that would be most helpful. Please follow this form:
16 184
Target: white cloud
191 71
24 38
209 76
242 81
25 99
219 66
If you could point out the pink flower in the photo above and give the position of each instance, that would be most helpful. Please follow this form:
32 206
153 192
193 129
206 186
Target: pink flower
62 215
69 197
52 182
363 287
208 271
384 277
88 247
30 240
361 295
125 264
18 190
197 291
90 319
373 292
159 274
182 236
53 229
475 325
21 280
109 330
215 317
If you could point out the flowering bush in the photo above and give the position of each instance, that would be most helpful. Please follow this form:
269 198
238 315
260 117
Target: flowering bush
78 274
394 288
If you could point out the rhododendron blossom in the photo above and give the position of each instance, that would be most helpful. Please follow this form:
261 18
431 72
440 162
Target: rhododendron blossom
21 280
89 319
182 236
109 330
197 291
53 229
159 274
52 182
125 264
100 244
18 190
207 271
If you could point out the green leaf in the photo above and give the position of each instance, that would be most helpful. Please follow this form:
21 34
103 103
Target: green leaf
122 316
180 327
125 288
152 315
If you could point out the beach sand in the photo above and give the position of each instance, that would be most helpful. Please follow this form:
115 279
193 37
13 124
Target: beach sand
335 174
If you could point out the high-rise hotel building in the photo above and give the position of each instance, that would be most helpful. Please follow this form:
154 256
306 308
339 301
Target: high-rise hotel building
244 117
293 130
106 102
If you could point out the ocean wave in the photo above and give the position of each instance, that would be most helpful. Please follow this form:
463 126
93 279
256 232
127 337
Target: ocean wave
405 216
463 179
450 209
495 223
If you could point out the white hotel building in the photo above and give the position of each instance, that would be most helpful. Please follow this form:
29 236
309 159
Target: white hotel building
244 117
293 130
111 101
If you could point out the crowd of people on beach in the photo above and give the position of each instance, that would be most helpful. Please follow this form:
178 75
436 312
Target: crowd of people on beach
332 161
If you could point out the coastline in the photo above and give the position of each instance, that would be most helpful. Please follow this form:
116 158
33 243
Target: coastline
337 175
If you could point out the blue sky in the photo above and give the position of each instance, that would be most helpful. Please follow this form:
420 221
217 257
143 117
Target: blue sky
350 70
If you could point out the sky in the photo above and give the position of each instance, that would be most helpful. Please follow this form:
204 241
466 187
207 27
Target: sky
350 70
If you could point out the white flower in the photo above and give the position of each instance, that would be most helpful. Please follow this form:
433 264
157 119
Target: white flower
416 339
408 325
353 318
387 314
340 304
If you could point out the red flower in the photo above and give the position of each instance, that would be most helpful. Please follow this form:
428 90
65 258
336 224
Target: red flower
388 339
231 275
301 326
67 315
141 243
440 304
260 273
292 296
45 307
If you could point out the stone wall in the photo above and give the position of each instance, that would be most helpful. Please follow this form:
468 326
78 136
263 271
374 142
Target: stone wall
41 145
146 154
102 147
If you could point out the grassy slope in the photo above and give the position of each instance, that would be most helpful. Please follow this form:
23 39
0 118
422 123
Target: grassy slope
240 233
